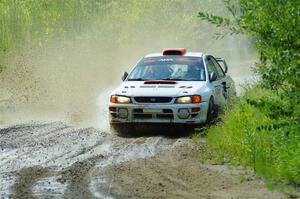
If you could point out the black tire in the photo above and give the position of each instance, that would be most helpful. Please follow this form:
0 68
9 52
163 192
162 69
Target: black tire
122 130
188 129
210 111
180 130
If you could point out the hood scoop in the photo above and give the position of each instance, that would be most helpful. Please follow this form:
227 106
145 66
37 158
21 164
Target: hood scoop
160 82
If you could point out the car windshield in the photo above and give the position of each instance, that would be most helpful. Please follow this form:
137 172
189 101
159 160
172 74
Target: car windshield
169 68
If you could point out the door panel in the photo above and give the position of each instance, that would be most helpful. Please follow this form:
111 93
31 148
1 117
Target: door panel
224 80
217 83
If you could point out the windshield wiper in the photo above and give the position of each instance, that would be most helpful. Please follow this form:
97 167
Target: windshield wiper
136 79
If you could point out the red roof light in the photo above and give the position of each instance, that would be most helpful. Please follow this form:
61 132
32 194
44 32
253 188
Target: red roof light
174 51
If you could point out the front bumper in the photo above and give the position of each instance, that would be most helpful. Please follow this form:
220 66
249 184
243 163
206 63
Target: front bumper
158 113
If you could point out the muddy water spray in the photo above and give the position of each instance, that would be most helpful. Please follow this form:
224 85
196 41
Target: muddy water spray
69 79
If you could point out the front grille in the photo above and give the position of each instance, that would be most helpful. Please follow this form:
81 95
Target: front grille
153 99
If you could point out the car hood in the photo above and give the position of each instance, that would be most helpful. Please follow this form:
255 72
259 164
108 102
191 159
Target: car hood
171 89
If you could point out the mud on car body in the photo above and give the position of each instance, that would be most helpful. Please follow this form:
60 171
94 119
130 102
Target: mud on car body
172 87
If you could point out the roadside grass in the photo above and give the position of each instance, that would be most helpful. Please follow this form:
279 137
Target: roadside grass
260 131
2 68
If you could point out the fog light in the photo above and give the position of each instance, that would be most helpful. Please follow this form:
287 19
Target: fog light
183 113
196 109
123 113
113 109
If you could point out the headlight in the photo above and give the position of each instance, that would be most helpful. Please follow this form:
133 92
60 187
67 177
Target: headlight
120 99
189 99
184 100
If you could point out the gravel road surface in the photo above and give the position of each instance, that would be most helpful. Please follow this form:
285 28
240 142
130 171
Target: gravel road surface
54 160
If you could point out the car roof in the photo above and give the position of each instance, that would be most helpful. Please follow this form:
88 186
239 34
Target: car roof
188 54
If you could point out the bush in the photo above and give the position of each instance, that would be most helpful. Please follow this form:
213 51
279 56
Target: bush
260 131
27 21
274 26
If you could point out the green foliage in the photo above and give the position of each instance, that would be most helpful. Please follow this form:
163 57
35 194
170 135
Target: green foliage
275 26
27 21
127 28
260 131
1 68
32 22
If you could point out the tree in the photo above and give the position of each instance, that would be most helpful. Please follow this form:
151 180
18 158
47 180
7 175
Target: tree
275 27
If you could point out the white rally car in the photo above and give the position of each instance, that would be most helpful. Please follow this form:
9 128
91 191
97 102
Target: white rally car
172 87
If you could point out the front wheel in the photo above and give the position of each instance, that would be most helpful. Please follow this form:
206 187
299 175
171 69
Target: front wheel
210 111
121 129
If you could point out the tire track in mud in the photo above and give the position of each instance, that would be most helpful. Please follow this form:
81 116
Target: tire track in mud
54 160
57 161
24 142
77 177
26 178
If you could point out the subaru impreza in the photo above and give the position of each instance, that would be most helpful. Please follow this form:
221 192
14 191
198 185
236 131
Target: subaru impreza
171 87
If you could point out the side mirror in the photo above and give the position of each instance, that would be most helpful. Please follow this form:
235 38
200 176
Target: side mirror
124 76
213 76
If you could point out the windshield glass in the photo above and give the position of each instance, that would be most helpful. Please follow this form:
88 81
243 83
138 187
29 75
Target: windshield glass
169 68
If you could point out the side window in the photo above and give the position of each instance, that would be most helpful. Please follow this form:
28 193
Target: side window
210 66
220 72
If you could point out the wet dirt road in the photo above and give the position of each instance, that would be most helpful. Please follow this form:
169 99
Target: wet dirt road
53 160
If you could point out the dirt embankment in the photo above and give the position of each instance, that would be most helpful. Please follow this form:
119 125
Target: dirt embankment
53 160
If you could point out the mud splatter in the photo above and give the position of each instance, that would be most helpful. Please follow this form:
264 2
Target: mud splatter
26 178
77 176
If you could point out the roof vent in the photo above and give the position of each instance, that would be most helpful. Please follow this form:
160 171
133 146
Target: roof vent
174 51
